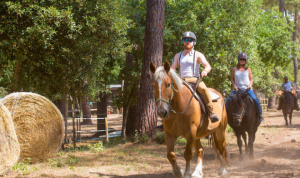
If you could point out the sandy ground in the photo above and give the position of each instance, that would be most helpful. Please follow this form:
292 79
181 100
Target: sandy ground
277 154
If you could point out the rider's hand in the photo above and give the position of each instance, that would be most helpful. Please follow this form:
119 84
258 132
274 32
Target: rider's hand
203 73
249 87
235 87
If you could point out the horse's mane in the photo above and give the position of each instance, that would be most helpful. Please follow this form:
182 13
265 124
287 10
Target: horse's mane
160 73
237 98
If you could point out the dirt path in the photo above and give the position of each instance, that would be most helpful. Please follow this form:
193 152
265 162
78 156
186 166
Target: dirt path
277 151
277 154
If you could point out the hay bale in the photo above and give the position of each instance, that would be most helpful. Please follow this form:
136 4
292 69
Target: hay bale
38 123
9 145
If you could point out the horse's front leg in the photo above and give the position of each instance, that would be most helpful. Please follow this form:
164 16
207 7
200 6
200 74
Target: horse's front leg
285 118
200 154
245 141
251 134
170 141
240 144
188 155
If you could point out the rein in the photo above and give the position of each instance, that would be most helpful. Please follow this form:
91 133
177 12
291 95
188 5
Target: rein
169 102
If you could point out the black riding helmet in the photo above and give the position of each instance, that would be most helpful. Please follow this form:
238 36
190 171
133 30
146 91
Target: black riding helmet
242 56
285 77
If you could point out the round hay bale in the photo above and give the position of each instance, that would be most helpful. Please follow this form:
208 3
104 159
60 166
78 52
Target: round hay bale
38 123
9 145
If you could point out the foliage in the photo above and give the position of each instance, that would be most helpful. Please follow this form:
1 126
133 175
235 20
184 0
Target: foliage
22 166
55 162
62 46
160 137
181 141
229 129
141 137
97 147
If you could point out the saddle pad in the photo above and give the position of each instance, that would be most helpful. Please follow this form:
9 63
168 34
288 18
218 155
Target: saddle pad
214 96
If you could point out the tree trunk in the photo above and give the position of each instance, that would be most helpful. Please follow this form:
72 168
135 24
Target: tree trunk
295 34
16 76
281 7
272 100
62 105
86 111
101 113
153 49
127 100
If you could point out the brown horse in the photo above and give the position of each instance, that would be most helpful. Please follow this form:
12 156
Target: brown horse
287 106
172 97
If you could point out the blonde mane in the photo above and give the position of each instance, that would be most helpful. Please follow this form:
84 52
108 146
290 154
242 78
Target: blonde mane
161 74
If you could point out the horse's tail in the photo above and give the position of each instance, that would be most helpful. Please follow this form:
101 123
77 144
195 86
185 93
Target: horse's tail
222 157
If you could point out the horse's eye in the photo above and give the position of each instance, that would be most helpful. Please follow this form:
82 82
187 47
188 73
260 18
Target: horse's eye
168 85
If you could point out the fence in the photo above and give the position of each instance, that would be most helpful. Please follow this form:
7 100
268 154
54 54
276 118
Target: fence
77 130
264 103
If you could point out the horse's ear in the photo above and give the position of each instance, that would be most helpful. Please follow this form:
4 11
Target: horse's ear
152 67
167 66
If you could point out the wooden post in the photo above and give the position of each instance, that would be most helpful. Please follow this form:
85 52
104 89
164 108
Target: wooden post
106 129
73 119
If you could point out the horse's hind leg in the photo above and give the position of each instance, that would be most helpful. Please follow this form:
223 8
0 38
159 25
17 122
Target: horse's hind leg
170 141
220 150
291 115
200 154
245 141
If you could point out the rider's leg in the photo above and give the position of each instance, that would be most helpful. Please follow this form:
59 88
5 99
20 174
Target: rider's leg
295 102
203 90
257 104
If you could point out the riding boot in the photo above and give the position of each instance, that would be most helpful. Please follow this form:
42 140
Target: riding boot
212 115
260 118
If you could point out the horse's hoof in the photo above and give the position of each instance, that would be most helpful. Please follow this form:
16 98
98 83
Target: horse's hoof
178 173
197 174
222 171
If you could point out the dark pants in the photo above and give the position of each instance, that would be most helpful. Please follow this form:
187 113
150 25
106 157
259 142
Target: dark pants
252 95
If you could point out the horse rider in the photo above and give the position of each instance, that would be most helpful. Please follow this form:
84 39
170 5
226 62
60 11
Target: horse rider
241 79
189 62
288 86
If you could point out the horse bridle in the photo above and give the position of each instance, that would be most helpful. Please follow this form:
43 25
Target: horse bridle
172 95
239 115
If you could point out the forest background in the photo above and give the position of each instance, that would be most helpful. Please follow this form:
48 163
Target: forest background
79 47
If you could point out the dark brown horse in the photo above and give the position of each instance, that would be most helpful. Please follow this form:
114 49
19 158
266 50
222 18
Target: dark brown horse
242 118
172 97
287 106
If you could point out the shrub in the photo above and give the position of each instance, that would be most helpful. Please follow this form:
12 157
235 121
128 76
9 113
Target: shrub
97 147
160 137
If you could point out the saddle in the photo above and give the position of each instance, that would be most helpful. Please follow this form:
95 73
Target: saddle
192 87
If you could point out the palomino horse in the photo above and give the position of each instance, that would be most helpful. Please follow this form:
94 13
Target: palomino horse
242 118
172 96
287 106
